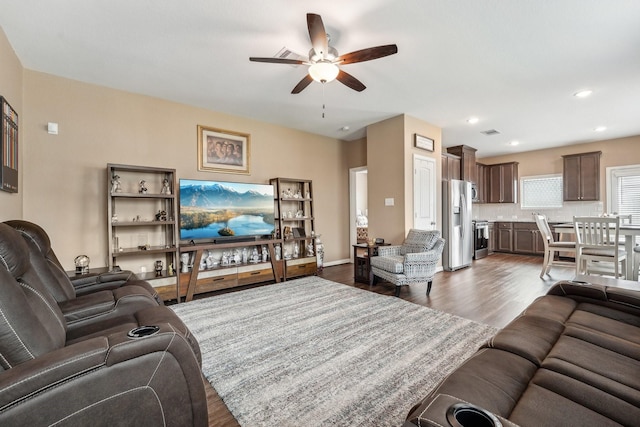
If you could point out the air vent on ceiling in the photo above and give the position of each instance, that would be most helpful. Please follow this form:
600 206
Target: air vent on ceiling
286 53
490 132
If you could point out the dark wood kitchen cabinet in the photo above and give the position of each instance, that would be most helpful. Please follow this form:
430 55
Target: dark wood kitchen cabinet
503 183
504 236
527 238
450 167
581 177
481 182
467 157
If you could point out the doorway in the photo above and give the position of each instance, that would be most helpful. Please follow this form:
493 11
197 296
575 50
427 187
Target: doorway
358 204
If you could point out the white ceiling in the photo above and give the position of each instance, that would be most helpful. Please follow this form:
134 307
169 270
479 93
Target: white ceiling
513 64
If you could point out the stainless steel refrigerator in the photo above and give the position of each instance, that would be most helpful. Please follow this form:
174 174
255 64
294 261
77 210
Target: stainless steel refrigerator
456 224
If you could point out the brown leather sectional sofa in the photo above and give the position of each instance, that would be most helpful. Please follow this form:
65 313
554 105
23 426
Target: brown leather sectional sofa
113 355
571 359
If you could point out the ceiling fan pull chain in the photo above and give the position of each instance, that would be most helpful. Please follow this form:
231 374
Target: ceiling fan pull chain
323 100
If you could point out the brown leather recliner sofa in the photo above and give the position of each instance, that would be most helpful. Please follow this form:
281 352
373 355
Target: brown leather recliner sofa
571 359
139 366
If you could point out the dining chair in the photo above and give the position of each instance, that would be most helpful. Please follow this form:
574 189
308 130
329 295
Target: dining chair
597 243
636 262
551 247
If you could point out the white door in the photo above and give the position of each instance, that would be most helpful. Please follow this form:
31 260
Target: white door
424 193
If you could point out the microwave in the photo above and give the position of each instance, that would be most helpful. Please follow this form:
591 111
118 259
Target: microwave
474 193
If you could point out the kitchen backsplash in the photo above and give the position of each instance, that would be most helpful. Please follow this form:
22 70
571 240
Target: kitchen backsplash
513 212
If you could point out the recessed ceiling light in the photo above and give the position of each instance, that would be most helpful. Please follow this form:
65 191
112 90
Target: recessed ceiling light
583 93
473 120
344 128
600 129
514 143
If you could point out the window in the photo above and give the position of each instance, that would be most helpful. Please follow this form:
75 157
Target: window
623 191
542 191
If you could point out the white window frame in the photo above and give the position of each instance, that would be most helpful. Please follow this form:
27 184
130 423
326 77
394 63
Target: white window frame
523 196
612 175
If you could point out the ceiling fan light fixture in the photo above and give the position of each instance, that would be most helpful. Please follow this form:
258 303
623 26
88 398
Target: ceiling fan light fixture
324 72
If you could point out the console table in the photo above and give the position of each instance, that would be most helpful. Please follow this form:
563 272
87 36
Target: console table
227 276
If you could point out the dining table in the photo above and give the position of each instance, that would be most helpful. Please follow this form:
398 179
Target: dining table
629 231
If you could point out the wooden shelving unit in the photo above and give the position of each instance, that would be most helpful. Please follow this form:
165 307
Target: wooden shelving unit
295 225
142 226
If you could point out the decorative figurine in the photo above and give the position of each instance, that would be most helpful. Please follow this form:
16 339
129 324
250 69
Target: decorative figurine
142 187
170 270
254 256
236 256
278 252
161 216
296 251
264 253
245 255
184 259
307 195
209 260
82 264
115 184
319 252
286 254
158 266
114 218
225 258
310 249
165 186
203 263
299 214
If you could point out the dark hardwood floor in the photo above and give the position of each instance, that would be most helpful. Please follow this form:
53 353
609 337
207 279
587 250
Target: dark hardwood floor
494 290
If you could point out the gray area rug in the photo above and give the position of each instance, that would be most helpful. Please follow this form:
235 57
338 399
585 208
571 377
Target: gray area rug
317 353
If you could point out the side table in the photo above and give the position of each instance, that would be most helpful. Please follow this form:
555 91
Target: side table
362 252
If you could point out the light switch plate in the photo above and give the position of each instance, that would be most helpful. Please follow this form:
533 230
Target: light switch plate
389 201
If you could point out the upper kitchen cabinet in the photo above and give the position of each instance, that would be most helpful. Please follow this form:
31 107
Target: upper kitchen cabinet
502 183
450 167
467 161
481 183
581 177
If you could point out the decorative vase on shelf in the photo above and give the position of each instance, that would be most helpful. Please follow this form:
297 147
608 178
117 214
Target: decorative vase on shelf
319 252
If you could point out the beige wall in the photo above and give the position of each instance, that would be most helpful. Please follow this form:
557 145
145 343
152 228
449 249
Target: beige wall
390 150
11 90
385 166
64 182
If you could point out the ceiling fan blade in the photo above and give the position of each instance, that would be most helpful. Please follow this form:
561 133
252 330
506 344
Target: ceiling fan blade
306 81
317 34
367 54
277 60
350 81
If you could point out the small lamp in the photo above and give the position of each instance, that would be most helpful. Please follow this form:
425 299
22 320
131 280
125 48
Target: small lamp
82 264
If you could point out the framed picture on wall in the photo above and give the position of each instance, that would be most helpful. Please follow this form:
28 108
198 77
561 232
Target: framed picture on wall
222 150
423 142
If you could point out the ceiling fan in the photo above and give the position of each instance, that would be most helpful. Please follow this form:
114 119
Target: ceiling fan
324 60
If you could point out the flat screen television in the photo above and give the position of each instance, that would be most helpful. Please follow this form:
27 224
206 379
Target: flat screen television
221 211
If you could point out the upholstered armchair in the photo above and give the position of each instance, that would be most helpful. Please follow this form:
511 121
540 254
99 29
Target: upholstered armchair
414 261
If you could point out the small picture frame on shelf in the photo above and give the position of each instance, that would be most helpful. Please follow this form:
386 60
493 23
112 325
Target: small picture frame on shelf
424 143
286 232
299 232
222 150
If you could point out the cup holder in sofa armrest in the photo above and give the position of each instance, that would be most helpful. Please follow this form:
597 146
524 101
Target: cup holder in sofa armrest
466 415
143 331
